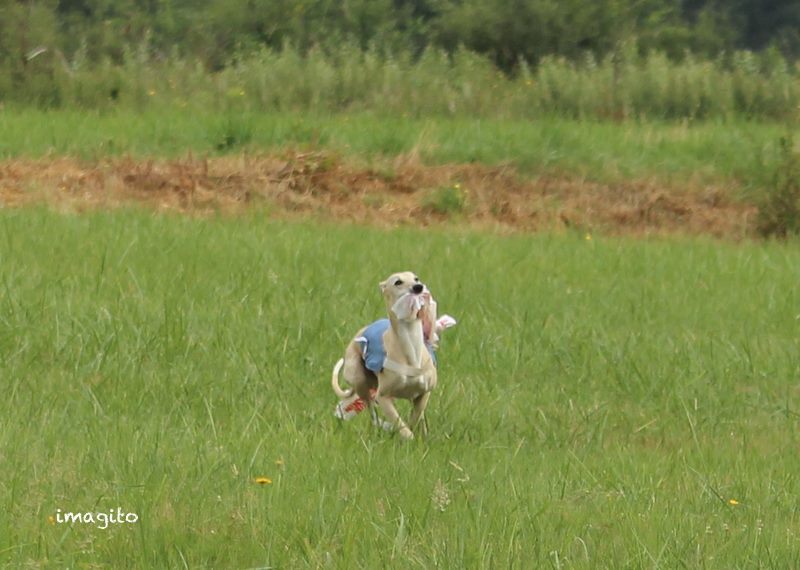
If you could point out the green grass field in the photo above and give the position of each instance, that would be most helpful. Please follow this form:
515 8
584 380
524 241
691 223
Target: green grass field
602 403
727 153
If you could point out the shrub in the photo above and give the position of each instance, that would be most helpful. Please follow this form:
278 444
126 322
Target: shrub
779 211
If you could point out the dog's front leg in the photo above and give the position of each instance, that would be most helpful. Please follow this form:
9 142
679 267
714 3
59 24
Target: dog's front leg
417 414
387 405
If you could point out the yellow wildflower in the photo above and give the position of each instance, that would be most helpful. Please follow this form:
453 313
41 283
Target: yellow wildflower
263 480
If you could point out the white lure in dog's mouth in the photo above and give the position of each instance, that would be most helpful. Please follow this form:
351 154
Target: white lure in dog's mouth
411 306
418 306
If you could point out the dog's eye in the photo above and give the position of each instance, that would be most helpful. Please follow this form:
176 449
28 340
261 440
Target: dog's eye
416 279
398 283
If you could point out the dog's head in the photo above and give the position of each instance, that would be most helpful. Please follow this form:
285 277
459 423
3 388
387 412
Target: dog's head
405 295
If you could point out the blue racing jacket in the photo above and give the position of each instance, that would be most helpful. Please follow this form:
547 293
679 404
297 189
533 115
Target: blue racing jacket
372 350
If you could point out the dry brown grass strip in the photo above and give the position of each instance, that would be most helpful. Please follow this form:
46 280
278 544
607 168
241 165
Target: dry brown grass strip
307 184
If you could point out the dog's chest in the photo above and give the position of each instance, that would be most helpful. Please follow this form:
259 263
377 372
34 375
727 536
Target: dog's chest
411 387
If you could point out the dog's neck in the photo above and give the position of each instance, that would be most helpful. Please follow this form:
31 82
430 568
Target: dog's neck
410 335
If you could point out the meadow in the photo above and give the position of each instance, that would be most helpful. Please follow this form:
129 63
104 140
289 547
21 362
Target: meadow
603 403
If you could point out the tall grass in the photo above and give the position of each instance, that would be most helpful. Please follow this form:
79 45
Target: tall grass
461 84
602 403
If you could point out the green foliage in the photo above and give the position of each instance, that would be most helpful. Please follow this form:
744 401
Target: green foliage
510 33
779 211
610 58
27 57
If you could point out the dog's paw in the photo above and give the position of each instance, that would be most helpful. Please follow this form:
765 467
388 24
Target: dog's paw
406 433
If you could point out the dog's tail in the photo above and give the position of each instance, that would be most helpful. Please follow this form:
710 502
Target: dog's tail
335 381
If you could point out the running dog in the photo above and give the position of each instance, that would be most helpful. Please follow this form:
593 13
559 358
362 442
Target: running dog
394 357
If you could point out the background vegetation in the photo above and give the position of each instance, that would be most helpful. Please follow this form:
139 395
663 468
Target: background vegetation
435 84
510 58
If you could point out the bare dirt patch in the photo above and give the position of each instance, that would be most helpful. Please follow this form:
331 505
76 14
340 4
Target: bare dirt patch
403 191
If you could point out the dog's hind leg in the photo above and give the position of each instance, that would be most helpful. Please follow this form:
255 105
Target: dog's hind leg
355 373
374 414
377 421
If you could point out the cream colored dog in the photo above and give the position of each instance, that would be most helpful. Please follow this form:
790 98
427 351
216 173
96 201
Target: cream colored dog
402 365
